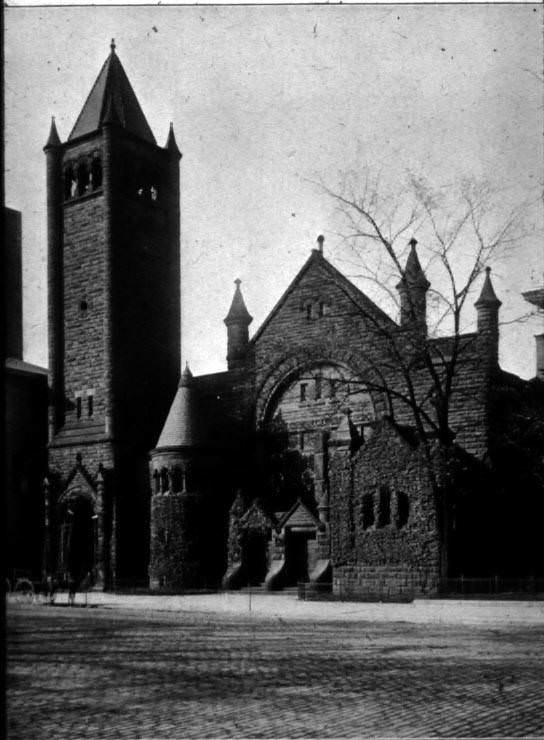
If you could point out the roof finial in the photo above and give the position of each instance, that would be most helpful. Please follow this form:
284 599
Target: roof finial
320 240
237 282
112 46
413 242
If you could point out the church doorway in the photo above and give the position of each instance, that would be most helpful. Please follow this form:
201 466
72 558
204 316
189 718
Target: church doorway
254 557
77 538
298 543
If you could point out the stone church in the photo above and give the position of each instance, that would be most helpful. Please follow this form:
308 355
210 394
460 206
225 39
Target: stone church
287 467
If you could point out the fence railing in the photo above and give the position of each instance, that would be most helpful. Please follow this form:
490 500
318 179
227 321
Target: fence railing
492 586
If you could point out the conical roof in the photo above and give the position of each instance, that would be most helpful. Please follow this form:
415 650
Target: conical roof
413 272
171 143
238 313
487 295
53 139
182 428
112 83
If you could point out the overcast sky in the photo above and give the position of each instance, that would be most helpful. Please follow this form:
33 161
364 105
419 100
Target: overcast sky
266 100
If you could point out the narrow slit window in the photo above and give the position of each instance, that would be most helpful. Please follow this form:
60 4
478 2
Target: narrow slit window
90 405
78 407
403 510
368 511
303 388
384 511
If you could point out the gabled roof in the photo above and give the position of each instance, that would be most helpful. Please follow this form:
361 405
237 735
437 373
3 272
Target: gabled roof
112 88
298 516
316 259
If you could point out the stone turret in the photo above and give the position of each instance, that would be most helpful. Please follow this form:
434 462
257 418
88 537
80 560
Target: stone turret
237 322
487 307
176 506
412 289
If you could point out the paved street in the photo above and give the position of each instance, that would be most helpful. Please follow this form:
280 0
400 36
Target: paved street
118 672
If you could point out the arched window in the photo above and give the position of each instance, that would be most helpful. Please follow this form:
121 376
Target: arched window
368 510
384 507
403 510
164 480
96 173
176 479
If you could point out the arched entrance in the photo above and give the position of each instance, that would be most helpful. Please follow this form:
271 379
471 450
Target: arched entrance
255 556
298 566
77 550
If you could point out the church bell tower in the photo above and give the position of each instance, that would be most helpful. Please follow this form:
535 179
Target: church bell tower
114 327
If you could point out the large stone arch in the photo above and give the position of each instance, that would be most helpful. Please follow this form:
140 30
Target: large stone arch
292 365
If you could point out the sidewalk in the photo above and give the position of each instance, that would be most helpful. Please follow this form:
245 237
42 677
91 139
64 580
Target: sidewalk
288 607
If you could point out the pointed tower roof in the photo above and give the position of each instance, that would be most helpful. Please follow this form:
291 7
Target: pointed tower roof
53 139
413 272
181 428
112 82
110 112
487 295
171 144
238 313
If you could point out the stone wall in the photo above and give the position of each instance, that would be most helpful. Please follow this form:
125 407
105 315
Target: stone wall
347 333
384 526
176 542
84 302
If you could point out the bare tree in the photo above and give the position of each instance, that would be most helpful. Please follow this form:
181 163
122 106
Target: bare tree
461 229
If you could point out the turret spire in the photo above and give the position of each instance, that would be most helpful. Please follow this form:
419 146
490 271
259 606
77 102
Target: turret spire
487 294
53 139
412 289
237 321
186 376
238 312
487 307
171 144
112 83
413 272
